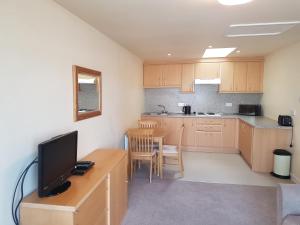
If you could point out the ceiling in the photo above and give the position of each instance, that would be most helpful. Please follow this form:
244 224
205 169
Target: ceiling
151 29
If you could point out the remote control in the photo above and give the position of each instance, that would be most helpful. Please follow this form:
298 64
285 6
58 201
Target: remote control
78 172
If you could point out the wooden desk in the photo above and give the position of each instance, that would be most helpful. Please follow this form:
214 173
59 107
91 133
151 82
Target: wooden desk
99 197
158 136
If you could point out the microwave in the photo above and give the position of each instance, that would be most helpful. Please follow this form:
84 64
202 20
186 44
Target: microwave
250 110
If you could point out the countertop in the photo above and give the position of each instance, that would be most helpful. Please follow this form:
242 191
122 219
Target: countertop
255 121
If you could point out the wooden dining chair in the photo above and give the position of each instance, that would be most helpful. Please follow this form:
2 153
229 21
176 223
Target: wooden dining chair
148 124
174 153
140 146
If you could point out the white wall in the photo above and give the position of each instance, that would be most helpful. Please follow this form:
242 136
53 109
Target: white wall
282 92
39 43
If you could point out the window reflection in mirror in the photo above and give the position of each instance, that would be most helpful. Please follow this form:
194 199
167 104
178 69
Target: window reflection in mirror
87 93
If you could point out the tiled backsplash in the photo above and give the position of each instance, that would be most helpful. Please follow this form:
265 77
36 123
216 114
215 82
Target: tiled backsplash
205 99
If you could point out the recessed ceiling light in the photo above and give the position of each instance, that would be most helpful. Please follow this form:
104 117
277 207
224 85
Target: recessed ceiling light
233 2
210 46
217 52
169 54
238 51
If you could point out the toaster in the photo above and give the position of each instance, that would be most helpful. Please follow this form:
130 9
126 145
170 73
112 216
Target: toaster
284 120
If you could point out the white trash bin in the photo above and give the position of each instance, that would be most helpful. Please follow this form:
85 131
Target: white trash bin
282 164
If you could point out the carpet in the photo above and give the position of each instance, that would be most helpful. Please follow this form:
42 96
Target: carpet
174 202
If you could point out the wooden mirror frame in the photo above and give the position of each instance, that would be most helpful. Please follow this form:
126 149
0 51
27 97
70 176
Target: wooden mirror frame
97 74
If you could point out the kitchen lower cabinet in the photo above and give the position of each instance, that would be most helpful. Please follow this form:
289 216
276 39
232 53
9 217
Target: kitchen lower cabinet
172 125
257 145
245 141
209 139
188 138
230 135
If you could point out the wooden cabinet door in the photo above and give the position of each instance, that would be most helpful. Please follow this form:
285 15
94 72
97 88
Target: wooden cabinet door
230 135
255 77
172 125
226 75
188 138
207 70
245 141
152 76
118 192
240 77
93 210
209 139
158 119
188 78
171 75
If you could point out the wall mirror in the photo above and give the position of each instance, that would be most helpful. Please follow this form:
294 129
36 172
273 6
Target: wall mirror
87 93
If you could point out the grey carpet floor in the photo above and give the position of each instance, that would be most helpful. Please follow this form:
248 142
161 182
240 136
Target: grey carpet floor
174 202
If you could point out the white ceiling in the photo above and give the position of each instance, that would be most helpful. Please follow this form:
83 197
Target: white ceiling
152 28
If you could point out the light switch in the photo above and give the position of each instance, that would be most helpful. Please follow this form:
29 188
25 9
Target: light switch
228 104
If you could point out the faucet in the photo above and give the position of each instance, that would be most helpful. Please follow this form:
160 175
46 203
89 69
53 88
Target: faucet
164 111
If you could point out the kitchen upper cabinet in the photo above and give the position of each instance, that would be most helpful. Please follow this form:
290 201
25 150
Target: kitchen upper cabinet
188 78
255 77
156 76
188 138
240 77
171 75
245 141
152 76
172 126
226 75
209 70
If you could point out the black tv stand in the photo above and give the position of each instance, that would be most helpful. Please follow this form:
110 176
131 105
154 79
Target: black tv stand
60 189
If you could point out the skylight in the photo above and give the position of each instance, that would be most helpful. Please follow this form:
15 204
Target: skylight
217 52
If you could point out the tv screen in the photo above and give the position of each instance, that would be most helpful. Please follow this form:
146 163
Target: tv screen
57 158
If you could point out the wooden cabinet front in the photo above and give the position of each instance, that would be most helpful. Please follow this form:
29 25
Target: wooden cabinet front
171 75
118 192
93 210
255 77
152 76
209 70
188 78
240 77
188 138
226 75
172 125
245 141
230 136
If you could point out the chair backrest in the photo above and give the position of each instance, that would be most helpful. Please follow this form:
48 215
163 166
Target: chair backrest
140 140
148 124
180 134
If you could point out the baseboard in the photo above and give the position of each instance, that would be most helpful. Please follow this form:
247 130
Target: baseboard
295 179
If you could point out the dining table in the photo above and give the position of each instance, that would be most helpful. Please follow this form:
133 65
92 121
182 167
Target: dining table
158 137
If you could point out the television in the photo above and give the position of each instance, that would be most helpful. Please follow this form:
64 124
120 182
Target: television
57 158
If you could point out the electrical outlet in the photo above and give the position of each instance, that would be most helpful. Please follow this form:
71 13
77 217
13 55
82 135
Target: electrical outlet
181 104
228 104
293 112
